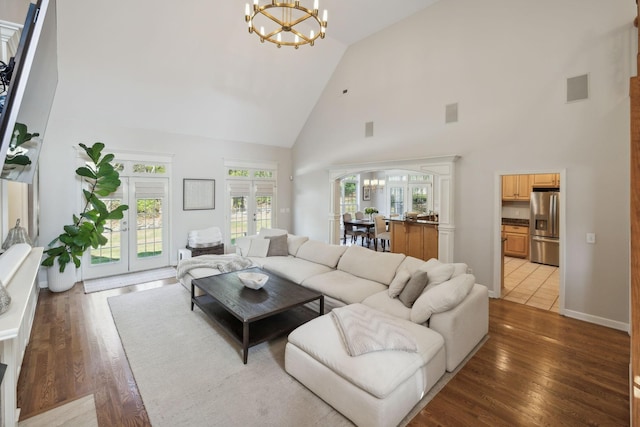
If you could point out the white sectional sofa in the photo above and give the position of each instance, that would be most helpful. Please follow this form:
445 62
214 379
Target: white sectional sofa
451 310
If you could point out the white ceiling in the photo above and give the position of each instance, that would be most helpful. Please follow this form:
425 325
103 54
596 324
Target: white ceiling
191 67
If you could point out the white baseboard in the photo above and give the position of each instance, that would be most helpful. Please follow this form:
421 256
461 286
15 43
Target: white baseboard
621 326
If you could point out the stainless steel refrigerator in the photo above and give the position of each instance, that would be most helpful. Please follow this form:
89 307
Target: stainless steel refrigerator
544 227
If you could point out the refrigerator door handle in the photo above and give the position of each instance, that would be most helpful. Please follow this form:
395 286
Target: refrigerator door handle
544 239
554 214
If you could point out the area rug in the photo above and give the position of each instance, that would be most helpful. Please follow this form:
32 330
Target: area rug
78 413
189 373
113 282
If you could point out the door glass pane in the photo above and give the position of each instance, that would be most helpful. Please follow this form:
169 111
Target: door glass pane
149 227
109 253
349 199
396 196
239 225
419 199
263 212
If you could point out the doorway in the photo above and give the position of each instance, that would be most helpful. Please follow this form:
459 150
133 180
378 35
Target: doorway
140 241
522 277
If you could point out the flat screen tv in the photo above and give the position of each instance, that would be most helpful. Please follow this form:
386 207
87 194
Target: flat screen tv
30 92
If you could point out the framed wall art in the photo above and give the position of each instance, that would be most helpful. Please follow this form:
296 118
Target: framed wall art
198 194
366 192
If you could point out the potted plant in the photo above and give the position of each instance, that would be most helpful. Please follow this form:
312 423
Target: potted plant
87 228
370 212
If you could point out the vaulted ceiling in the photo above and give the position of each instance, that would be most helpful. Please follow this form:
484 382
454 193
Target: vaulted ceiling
191 67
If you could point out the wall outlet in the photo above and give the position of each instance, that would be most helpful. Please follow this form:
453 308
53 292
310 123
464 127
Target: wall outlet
591 238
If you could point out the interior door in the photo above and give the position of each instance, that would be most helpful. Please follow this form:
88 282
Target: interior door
140 241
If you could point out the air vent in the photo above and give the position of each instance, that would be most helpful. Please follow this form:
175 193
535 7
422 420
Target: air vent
368 129
578 88
451 113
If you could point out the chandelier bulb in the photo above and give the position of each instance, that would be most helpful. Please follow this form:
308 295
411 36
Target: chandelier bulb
324 17
247 10
315 6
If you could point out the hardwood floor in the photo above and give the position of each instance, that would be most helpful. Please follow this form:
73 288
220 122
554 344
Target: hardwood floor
536 368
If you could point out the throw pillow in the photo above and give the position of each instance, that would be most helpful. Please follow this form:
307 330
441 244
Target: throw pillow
442 298
439 274
414 288
278 245
259 248
398 283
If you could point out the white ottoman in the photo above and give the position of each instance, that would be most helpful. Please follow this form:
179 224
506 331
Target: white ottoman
373 389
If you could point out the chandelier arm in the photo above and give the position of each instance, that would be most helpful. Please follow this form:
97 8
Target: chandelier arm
270 16
302 36
272 33
304 18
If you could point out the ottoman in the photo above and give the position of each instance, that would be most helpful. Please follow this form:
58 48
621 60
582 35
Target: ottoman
378 388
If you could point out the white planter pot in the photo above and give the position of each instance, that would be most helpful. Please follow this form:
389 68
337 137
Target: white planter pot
61 282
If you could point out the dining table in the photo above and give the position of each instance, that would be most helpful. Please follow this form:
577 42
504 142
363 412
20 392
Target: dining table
360 223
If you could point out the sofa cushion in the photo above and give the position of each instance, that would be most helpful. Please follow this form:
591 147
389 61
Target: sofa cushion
368 264
439 274
411 264
343 286
258 248
321 253
414 287
441 298
292 268
265 232
378 373
277 245
243 244
459 268
382 302
399 281
294 242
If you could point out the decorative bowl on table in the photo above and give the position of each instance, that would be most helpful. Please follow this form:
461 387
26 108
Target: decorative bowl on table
253 280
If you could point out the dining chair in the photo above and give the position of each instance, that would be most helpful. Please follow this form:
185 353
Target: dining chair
350 230
359 215
381 233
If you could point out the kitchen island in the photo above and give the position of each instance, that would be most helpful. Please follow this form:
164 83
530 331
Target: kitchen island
416 238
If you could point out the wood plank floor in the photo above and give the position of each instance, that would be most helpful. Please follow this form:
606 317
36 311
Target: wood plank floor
537 368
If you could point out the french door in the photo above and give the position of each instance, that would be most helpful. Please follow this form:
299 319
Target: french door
140 241
251 207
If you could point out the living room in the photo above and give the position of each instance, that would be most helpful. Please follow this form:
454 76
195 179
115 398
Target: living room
142 85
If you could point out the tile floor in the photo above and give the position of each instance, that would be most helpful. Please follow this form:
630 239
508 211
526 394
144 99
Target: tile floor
532 284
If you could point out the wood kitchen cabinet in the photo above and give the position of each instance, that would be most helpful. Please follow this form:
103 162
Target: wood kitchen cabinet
516 187
416 239
517 243
546 180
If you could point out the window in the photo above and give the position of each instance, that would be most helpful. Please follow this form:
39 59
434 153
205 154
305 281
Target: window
349 194
412 193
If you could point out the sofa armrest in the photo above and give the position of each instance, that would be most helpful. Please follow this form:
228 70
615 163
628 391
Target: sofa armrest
463 326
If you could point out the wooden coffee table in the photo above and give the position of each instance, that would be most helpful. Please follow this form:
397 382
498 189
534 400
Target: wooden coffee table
252 316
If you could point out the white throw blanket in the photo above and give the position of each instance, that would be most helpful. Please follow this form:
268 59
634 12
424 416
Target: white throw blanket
364 330
223 263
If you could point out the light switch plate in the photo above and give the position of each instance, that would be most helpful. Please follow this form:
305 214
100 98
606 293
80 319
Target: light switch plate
591 237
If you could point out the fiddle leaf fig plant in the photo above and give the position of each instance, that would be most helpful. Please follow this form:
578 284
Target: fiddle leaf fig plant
88 227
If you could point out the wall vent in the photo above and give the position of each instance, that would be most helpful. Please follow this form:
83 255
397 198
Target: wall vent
368 129
578 88
451 113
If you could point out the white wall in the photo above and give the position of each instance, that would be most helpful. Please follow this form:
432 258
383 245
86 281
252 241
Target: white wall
505 62
193 157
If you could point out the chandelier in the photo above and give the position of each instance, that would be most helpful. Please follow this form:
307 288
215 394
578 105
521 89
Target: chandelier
287 24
